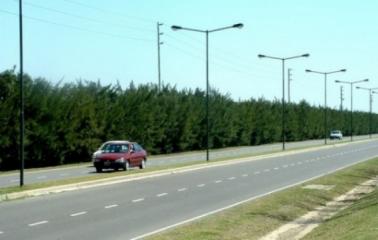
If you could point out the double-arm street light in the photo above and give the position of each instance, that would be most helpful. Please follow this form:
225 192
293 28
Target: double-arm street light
325 97
351 102
370 103
206 32
283 90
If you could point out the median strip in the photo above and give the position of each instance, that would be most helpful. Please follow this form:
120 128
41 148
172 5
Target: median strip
145 175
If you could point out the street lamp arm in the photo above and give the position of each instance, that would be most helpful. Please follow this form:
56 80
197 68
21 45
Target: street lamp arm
365 80
175 28
311 71
239 25
341 70
299 56
339 81
265 56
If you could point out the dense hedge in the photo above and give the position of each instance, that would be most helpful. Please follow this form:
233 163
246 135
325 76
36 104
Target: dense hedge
64 123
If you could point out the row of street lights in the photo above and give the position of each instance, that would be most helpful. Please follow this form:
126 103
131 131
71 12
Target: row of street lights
206 32
283 60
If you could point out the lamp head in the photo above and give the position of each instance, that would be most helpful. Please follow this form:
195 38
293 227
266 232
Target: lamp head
306 55
238 25
308 70
343 70
175 28
261 56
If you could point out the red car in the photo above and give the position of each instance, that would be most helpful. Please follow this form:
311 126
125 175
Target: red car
119 154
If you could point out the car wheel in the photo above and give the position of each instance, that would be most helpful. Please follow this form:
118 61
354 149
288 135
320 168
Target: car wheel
143 164
126 166
98 169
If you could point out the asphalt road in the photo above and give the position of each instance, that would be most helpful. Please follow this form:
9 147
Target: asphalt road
129 210
30 176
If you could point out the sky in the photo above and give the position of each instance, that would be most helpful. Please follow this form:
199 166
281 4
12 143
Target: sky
116 41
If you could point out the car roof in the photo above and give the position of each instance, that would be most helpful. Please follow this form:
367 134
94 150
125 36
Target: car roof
118 142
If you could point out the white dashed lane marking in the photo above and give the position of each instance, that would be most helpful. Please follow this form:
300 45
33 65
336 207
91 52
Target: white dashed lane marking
111 206
276 168
200 185
256 172
78 214
182 189
245 175
14 180
1 232
231 178
41 177
218 181
37 223
138 200
161 194
266 170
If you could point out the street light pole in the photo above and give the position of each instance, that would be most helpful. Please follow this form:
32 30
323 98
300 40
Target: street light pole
325 97
370 104
175 28
283 90
21 82
351 102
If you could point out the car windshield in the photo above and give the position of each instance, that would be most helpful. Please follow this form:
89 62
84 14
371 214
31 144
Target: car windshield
115 148
335 132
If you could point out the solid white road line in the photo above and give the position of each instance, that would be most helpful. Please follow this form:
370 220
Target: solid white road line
241 202
111 206
181 189
77 214
138 200
37 223
161 194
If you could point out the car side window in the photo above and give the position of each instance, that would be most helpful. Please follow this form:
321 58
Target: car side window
138 148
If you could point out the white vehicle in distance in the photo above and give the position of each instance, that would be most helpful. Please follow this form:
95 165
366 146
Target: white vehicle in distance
336 134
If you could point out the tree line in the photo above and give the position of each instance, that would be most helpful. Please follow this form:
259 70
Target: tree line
65 123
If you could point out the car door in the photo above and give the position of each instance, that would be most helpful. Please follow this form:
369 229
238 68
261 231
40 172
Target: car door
134 155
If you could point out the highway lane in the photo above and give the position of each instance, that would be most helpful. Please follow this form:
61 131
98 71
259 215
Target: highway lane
128 210
7 180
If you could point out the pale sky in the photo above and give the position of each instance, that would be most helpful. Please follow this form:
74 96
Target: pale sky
116 40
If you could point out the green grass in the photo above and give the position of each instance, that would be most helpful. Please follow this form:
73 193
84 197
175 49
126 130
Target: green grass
259 217
360 221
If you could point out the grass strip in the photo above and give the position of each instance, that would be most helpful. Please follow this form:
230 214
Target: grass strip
359 221
259 217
